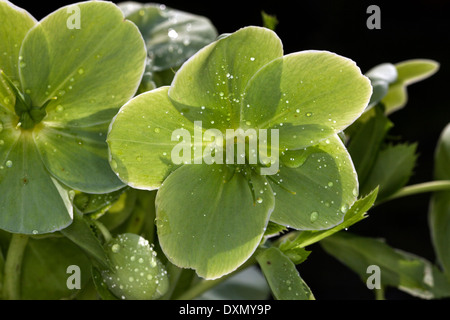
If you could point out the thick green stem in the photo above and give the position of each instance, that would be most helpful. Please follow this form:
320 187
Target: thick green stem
433 186
13 266
204 285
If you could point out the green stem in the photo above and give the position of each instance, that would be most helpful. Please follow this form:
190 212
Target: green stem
205 285
13 266
379 293
433 186
175 274
105 232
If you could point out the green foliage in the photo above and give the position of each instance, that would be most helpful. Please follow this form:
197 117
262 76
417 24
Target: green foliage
89 176
439 215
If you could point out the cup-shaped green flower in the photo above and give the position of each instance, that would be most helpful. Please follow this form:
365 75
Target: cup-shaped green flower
62 80
243 135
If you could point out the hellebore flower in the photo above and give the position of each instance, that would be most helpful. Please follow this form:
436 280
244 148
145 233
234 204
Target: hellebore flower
62 81
263 128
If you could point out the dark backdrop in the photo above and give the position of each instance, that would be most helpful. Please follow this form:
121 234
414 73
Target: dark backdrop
409 29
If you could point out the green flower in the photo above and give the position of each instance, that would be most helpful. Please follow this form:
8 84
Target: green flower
62 81
212 214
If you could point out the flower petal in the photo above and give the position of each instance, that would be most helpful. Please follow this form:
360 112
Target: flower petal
32 201
210 86
140 139
308 96
208 220
315 187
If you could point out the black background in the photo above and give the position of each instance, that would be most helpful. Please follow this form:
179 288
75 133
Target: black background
409 29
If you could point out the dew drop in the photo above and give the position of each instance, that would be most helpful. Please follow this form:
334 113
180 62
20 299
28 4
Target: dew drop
115 248
114 164
172 34
35 232
59 108
297 110
252 59
309 114
313 217
344 208
157 130
9 164
259 200
330 184
355 192
80 71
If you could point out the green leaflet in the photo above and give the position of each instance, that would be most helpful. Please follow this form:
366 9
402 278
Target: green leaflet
409 72
282 276
399 269
355 214
392 169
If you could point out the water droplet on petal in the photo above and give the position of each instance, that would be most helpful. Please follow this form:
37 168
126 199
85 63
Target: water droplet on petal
115 248
313 217
9 163
259 200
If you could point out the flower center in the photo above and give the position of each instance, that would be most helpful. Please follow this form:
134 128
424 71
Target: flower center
28 114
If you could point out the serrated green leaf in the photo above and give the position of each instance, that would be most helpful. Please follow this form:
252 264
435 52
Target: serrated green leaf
274 229
355 214
439 213
399 269
282 276
391 170
366 141
409 72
